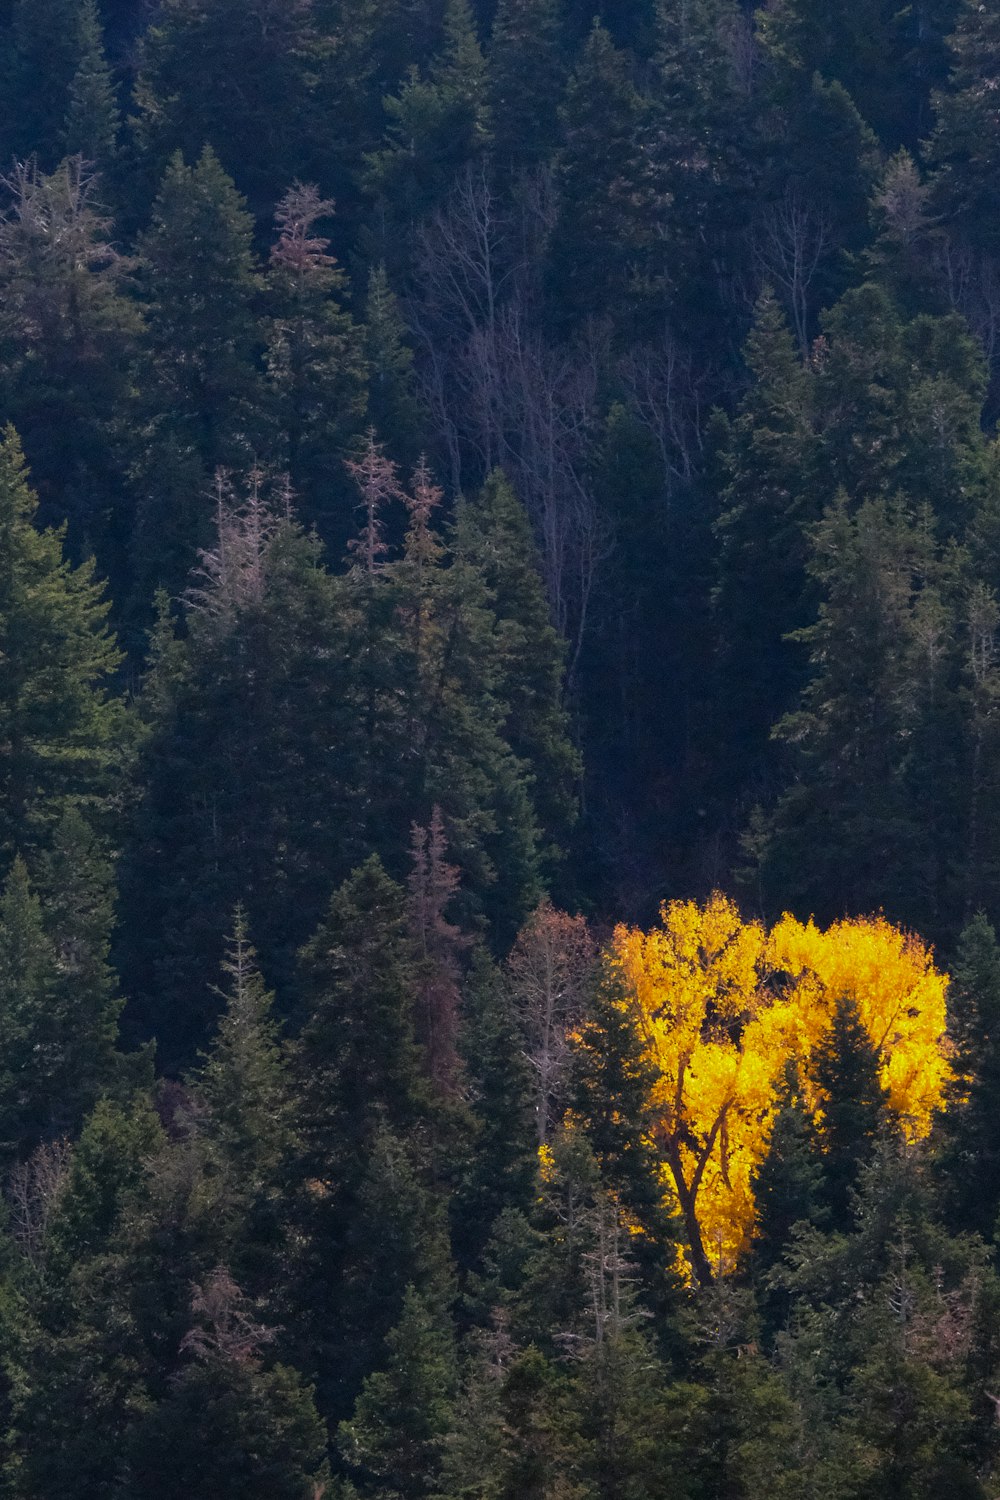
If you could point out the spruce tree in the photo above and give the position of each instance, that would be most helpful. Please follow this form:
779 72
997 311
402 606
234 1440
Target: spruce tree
397 1434
601 237
64 734
314 363
92 117
768 501
853 1111
437 125
210 71
48 44
493 535
965 146
393 404
970 1160
201 386
854 828
526 77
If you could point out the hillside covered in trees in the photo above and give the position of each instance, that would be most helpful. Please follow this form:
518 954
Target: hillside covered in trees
499 750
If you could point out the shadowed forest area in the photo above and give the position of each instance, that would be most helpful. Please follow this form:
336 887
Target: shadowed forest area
499 750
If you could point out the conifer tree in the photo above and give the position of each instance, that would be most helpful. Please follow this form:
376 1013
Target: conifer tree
965 146
970 1165
64 735
92 118
767 503
48 43
493 534
600 239
201 385
397 1433
314 362
852 829
437 124
526 77
230 1421
69 333
210 72
853 1110
250 1130
393 406
253 695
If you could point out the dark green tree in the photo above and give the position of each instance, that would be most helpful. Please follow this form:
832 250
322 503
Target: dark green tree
970 1160
601 238
93 117
396 1437
853 1111
315 364
493 535
525 80
230 1421
965 145
64 739
210 72
201 386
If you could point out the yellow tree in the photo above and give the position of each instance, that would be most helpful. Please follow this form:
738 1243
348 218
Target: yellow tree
722 1006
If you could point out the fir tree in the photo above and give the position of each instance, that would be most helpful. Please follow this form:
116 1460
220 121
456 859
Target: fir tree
92 119
396 1436
202 388
493 534
965 146
314 362
64 736
853 1110
600 239
393 406
970 1165
526 77
210 71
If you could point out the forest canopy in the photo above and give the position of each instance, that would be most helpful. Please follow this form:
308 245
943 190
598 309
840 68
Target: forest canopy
499 508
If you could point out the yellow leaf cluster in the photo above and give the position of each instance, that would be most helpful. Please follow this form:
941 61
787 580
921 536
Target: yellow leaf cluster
722 1006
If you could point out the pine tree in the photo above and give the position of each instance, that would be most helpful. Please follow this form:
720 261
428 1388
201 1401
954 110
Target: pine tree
851 831
393 406
437 124
246 1429
210 72
48 45
357 1051
249 1132
252 696
69 334
768 501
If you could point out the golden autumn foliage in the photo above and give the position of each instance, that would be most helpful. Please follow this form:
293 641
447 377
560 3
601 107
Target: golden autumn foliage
722 1006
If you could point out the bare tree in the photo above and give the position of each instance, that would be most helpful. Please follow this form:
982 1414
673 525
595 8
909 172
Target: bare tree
790 240
232 575
376 477
225 1328
33 1190
549 971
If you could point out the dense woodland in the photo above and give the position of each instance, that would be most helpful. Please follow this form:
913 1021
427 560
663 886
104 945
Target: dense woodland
474 471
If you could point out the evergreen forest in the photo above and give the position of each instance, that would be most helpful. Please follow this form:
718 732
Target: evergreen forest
499 750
